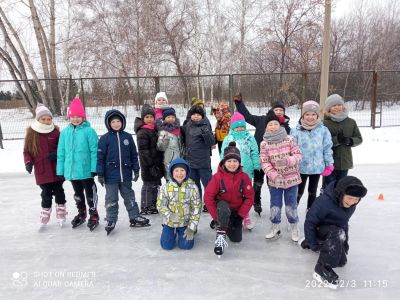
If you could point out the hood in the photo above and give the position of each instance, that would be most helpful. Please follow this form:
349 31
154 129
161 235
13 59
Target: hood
110 114
349 185
179 161
138 123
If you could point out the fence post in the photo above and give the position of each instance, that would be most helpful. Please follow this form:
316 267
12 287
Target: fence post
231 107
374 98
82 93
1 138
157 84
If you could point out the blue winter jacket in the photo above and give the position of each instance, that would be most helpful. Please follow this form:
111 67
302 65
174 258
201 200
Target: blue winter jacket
315 146
77 152
117 156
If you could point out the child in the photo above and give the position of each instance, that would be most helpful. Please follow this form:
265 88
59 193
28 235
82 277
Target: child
180 205
259 122
169 138
198 140
152 169
223 116
315 144
161 103
229 197
280 159
40 152
246 143
76 161
345 135
326 227
116 160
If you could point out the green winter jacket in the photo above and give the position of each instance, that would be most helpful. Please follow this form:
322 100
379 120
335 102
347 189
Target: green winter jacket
342 156
77 152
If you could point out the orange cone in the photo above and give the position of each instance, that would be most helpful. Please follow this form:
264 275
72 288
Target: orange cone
380 197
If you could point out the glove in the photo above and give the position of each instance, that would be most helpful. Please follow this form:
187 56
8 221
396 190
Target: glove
61 177
135 176
344 140
93 174
238 98
100 179
205 130
52 156
188 234
174 218
328 170
305 245
281 162
29 167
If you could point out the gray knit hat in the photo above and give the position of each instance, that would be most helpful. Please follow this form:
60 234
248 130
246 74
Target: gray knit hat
333 100
310 106
41 111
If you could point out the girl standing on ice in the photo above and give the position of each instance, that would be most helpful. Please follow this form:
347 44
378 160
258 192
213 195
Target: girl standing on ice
77 160
345 135
40 153
160 104
246 143
280 159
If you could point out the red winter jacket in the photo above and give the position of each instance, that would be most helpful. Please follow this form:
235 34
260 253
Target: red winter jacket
45 170
232 195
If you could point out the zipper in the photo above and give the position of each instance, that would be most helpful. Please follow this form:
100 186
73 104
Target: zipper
119 156
73 152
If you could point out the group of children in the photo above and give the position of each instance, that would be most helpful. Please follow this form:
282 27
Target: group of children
181 154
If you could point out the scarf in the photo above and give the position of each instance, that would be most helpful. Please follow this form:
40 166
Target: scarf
275 137
42 128
223 123
339 117
238 135
149 126
173 128
162 106
309 125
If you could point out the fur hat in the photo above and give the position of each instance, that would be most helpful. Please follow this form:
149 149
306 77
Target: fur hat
161 95
310 106
333 100
168 112
350 185
279 104
231 152
271 116
197 109
237 120
76 109
147 110
41 111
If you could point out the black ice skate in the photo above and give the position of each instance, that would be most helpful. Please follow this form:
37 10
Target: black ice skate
325 275
220 243
139 221
80 218
151 210
205 209
257 207
213 224
93 219
110 227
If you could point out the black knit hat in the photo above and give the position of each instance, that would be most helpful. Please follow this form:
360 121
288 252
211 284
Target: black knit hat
231 151
147 110
271 116
197 109
168 112
351 186
279 104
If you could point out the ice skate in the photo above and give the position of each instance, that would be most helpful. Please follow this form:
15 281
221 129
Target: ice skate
274 233
213 224
326 276
140 221
109 227
247 223
61 212
205 210
220 243
80 218
45 216
257 207
93 219
151 210
294 229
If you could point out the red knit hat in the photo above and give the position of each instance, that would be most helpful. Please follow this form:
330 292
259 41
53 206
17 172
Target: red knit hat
76 109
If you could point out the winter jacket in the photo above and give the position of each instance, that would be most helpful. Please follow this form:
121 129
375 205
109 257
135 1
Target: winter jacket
172 146
198 139
44 169
235 189
116 155
182 199
315 146
326 210
246 143
77 152
285 176
342 156
259 122
151 160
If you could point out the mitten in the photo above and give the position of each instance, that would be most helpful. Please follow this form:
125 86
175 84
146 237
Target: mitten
100 179
136 175
348 141
29 167
188 234
93 174
328 170
305 245
238 98
52 156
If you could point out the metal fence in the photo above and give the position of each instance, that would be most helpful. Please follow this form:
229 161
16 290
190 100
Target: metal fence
371 95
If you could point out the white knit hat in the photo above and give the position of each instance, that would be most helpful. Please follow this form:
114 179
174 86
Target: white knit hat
41 111
161 95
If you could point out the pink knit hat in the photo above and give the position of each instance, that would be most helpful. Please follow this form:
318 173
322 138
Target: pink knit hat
76 109
237 120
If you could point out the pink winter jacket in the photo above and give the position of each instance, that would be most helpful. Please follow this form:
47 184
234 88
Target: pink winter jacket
287 150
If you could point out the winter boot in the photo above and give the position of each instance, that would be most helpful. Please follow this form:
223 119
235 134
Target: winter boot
294 229
247 223
274 233
325 275
220 243
61 212
110 227
139 221
93 219
213 224
80 218
205 209
45 216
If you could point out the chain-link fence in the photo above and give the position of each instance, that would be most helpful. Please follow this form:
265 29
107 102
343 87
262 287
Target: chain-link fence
372 97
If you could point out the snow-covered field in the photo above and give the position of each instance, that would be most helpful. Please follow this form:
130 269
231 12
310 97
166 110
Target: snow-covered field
62 263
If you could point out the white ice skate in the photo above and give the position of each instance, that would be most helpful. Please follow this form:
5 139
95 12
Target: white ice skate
45 217
247 223
274 233
61 212
295 232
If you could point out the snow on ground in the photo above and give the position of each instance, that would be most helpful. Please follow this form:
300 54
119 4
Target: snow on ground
62 263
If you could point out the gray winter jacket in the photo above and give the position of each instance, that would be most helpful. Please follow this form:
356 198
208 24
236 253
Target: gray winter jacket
172 146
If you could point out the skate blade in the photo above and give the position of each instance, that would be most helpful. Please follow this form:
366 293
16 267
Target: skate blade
93 227
324 283
61 223
109 232
42 227
275 237
137 225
